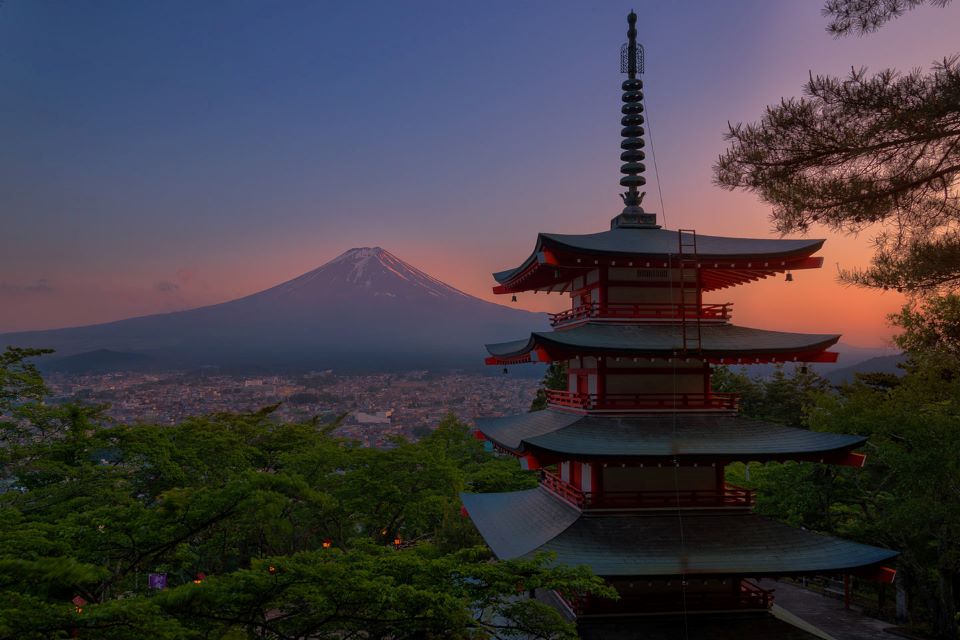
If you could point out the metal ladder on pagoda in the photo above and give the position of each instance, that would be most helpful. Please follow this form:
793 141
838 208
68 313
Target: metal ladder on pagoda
689 313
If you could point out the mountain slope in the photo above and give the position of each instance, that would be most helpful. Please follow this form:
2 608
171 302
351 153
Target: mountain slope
98 361
883 364
366 309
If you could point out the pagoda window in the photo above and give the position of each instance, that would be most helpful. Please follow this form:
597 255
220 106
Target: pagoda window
565 471
651 295
639 384
659 479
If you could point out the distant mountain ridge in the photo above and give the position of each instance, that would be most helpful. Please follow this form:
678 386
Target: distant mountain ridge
882 364
364 310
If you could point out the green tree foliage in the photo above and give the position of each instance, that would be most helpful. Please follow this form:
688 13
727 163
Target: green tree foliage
907 497
554 379
878 151
298 534
783 397
930 326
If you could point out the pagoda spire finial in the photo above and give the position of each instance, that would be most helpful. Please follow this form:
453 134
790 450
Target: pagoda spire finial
631 63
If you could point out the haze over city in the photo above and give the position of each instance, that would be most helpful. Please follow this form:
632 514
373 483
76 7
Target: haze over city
165 156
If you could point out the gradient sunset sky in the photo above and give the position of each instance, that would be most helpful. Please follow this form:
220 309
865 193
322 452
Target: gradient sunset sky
158 156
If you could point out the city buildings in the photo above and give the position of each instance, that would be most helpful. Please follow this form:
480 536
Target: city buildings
374 407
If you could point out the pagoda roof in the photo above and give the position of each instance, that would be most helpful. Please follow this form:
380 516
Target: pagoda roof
651 544
766 256
716 341
697 436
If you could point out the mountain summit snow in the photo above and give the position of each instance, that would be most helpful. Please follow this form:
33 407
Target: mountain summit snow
368 271
364 310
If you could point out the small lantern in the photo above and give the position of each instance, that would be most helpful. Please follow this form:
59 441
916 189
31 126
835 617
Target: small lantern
201 576
327 543
396 542
272 570
79 603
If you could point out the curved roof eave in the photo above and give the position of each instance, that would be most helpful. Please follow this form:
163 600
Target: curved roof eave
523 523
651 242
666 242
666 340
511 537
506 275
688 436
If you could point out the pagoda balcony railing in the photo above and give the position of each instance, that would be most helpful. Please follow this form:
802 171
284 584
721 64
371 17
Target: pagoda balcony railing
643 311
729 496
747 597
725 402
563 489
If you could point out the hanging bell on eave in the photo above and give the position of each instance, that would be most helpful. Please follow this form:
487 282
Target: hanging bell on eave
789 277
513 298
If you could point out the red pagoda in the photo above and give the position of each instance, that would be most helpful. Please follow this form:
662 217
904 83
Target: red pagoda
632 453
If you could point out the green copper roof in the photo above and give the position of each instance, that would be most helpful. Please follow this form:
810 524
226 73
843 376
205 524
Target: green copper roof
663 242
661 435
514 536
666 339
650 543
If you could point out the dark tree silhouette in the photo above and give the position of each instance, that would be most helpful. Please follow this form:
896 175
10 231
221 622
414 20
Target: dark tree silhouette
865 16
869 150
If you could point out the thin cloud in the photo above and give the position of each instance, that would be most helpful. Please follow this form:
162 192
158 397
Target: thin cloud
39 287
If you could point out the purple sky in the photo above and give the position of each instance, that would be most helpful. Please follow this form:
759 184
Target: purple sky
163 155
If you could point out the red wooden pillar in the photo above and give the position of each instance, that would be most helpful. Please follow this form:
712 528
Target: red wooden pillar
602 283
601 381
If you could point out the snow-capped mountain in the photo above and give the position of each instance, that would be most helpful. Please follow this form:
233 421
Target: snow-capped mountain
365 309
366 271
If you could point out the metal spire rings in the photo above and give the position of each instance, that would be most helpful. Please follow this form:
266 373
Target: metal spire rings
631 63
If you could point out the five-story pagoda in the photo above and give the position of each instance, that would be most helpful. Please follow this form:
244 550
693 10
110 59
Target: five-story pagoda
632 454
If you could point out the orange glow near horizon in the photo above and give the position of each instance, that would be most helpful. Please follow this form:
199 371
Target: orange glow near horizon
815 302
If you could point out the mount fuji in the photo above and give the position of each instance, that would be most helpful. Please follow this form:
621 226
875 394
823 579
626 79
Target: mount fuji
364 310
